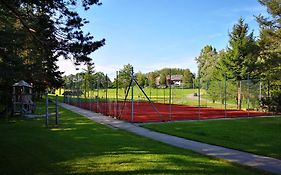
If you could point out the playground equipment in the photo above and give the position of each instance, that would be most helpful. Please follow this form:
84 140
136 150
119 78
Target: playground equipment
22 98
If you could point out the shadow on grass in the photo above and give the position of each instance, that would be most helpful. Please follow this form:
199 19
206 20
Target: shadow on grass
80 146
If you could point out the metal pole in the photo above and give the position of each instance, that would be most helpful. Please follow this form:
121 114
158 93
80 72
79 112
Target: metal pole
199 96
117 86
98 87
77 96
125 100
47 110
164 95
225 113
248 96
206 93
170 95
260 91
91 92
149 92
57 110
182 94
106 99
149 100
156 94
132 79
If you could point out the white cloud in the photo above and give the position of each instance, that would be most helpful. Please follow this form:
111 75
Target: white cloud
68 66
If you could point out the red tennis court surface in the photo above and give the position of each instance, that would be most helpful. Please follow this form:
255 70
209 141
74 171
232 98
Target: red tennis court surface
146 112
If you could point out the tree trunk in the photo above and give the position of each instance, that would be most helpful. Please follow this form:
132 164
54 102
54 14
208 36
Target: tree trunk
239 94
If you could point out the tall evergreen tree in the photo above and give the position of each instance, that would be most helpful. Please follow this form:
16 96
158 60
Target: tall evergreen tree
270 56
124 77
87 79
270 42
241 57
207 61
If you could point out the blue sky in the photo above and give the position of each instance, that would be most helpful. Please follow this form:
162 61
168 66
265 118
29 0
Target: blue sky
153 34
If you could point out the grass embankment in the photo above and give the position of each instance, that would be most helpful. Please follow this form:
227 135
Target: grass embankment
80 146
256 135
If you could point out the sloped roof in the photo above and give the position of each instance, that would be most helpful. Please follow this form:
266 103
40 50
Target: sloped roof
22 83
174 77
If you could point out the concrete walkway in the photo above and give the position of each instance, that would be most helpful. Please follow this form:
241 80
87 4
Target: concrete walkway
260 162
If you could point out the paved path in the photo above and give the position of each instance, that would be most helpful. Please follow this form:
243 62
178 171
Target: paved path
260 162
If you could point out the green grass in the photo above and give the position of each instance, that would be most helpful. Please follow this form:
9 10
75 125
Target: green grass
80 146
179 96
257 135
160 95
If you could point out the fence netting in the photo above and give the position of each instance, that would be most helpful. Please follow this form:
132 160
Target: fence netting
173 100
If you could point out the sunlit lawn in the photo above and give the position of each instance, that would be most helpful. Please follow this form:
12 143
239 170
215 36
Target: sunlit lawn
80 146
158 95
257 135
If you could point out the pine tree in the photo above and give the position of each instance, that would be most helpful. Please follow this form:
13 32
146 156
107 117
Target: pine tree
241 57
270 43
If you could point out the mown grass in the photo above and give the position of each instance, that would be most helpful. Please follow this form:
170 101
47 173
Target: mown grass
80 146
257 135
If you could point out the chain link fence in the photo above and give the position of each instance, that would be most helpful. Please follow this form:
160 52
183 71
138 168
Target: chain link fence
174 100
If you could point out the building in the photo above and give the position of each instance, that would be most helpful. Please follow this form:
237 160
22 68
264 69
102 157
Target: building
175 80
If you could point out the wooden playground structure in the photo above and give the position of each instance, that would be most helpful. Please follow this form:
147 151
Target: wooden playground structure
22 98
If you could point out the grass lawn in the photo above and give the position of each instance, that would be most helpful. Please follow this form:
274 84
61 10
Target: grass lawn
158 95
80 146
257 135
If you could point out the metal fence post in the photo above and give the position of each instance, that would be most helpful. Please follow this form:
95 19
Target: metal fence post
170 95
117 86
199 96
248 97
47 109
225 113
132 101
98 86
91 92
57 110
106 97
